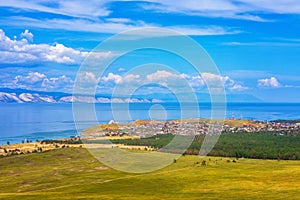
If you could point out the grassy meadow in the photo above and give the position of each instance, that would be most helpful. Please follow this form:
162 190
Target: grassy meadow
72 173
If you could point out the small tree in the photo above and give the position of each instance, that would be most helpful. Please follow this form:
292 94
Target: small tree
40 149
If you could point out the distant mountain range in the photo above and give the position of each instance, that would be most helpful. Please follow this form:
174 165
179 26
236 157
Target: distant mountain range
8 95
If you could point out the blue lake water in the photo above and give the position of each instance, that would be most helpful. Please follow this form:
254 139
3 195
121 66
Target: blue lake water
50 121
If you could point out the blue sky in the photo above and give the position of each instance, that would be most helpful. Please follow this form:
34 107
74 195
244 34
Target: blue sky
255 44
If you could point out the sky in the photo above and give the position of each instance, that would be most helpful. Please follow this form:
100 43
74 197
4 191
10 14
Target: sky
255 45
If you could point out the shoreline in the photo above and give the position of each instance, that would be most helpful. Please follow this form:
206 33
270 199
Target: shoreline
49 145
116 131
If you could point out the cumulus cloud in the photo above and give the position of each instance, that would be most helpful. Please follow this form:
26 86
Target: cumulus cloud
269 83
215 80
40 81
14 51
31 78
27 35
163 76
88 78
57 82
111 77
118 79
167 78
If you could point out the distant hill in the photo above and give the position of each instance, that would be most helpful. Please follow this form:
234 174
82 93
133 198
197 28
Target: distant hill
8 95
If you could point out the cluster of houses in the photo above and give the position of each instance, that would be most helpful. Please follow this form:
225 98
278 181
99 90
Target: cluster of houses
195 127
258 126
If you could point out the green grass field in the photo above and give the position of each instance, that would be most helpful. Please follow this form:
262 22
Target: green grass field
74 174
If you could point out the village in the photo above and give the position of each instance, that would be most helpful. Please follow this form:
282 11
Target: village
146 128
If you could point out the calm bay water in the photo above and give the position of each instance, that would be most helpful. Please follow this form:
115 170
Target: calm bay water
49 121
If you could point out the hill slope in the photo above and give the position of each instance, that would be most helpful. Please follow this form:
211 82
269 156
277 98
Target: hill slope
74 174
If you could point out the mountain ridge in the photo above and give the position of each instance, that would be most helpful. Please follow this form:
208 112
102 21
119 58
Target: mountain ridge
8 95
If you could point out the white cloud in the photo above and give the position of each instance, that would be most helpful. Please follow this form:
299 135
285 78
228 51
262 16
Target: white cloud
111 77
39 81
20 51
279 43
95 16
97 26
57 82
269 83
77 24
131 78
119 20
167 78
163 76
74 8
218 81
118 79
206 8
61 54
208 30
27 35
237 87
240 9
86 82
31 78
121 69
275 6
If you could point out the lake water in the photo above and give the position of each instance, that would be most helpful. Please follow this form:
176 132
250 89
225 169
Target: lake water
52 121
